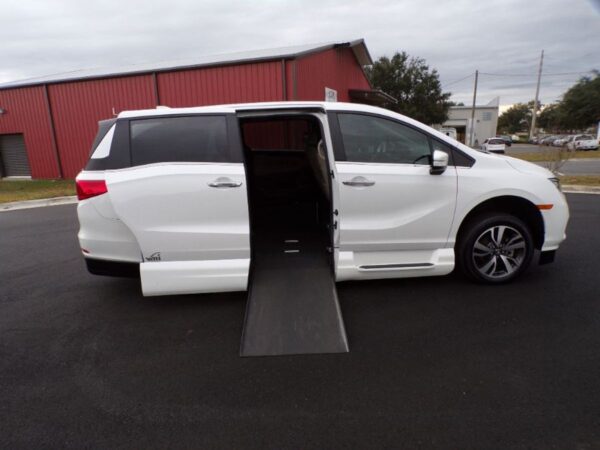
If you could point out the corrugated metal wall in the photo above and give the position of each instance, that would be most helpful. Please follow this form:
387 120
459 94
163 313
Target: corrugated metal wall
245 83
26 112
335 68
78 106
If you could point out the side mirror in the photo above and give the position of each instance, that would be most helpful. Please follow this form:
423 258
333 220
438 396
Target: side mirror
439 162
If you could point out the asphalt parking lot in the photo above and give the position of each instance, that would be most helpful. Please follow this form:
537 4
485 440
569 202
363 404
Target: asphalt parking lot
87 362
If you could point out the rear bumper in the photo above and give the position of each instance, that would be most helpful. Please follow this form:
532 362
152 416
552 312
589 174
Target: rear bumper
112 268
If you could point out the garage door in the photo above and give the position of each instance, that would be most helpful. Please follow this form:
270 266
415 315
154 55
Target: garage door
13 156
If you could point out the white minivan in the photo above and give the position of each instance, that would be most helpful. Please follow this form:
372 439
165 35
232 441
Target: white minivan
189 199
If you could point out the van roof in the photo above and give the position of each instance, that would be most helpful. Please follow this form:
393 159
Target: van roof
240 107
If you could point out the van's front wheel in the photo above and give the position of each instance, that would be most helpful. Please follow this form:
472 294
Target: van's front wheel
494 248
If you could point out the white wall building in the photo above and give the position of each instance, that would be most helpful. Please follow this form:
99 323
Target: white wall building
486 122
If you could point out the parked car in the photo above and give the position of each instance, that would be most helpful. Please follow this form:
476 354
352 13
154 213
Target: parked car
507 139
449 131
583 142
548 140
188 199
560 141
494 145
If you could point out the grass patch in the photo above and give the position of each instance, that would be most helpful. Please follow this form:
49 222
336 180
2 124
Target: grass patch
19 190
547 155
581 180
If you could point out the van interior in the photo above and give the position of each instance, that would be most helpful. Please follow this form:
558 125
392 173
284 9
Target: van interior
291 285
288 182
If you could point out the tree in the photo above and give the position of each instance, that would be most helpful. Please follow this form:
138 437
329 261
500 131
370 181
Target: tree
551 118
580 107
516 118
416 87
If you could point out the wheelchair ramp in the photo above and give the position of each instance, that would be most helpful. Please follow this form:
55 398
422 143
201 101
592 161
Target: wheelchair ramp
292 301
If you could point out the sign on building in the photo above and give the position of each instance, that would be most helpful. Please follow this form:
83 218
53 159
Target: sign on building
330 95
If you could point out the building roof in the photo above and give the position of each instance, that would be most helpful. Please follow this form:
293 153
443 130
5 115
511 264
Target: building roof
457 108
358 46
492 104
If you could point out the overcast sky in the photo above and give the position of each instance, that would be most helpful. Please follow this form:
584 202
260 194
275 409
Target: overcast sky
455 37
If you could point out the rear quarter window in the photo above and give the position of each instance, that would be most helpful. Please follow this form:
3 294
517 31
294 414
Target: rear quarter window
179 139
103 127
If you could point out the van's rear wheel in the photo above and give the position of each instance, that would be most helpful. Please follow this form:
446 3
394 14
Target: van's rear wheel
494 248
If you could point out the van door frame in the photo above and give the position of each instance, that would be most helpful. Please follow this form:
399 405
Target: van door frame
322 117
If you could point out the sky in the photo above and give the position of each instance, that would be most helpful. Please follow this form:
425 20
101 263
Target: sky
499 37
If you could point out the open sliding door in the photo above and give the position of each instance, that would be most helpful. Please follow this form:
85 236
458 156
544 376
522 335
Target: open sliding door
184 198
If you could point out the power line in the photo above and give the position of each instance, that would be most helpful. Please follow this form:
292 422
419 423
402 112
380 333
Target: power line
457 81
451 83
534 74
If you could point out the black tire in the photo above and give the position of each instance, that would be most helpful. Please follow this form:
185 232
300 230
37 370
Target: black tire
483 259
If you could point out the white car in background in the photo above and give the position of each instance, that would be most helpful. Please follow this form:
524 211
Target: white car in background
188 198
494 145
450 132
561 141
583 142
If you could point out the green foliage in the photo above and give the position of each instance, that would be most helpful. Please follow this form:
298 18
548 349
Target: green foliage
578 110
516 118
580 107
551 118
416 87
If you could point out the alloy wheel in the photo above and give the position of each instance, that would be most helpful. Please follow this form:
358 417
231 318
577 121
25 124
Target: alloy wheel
499 251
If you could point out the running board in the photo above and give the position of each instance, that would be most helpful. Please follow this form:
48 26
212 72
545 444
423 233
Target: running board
292 304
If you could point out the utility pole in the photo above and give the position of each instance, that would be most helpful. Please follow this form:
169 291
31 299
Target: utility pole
472 131
537 94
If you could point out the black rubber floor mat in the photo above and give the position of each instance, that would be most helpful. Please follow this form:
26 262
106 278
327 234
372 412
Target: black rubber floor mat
292 301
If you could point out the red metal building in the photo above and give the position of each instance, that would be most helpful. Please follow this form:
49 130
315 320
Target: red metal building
47 124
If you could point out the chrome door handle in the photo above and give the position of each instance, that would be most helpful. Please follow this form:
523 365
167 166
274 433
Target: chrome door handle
359 182
220 183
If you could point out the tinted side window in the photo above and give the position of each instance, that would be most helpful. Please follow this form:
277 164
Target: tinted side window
179 139
373 139
455 156
118 155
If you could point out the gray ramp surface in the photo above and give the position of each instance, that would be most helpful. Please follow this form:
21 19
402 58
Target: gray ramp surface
292 301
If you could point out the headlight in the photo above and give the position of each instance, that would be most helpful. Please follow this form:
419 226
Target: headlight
556 182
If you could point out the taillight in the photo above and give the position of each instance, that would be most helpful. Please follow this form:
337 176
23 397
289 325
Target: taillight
90 188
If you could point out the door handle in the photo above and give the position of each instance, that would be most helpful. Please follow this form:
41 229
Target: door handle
359 182
221 183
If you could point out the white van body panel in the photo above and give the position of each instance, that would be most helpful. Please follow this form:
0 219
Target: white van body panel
403 264
405 210
176 216
194 277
